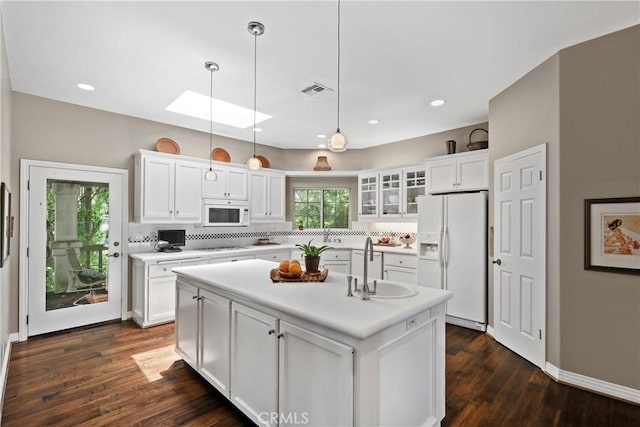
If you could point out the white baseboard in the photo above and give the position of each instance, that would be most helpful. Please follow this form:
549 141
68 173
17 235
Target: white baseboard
490 331
593 384
4 371
14 337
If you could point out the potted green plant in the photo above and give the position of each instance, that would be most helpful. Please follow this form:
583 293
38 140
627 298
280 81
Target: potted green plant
312 255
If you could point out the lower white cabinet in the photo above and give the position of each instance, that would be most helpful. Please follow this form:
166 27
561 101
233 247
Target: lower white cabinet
275 256
202 333
315 378
401 268
254 363
154 287
336 260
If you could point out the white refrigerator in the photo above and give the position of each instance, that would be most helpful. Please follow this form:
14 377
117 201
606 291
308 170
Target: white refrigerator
452 253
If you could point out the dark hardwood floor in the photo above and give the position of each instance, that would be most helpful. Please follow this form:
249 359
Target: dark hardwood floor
118 374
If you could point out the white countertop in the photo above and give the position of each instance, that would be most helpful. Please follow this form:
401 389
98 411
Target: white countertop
254 249
325 304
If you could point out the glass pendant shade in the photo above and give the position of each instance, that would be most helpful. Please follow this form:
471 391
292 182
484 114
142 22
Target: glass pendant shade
338 142
254 163
210 175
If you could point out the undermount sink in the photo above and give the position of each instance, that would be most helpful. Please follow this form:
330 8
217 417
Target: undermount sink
391 290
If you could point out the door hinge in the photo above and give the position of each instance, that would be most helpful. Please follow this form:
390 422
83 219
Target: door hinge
27 319
540 333
27 252
540 175
28 185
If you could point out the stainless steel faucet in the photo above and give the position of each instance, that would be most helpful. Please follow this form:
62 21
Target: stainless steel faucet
368 247
325 237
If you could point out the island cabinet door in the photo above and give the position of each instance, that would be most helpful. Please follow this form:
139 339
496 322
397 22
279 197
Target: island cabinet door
254 364
214 339
315 378
187 323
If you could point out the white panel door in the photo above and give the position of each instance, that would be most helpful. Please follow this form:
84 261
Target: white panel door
276 196
441 175
237 188
258 202
187 323
472 172
316 378
254 363
158 188
519 252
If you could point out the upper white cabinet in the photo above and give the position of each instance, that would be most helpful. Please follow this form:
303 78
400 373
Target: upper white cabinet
368 185
168 190
231 183
267 189
458 172
391 193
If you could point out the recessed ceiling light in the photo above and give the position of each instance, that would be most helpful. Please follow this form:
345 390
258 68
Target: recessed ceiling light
85 86
257 129
322 145
322 136
373 121
196 105
437 102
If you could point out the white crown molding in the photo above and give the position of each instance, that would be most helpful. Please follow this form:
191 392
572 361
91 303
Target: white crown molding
593 384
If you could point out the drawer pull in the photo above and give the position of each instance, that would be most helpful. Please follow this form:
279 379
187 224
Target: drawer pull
272 331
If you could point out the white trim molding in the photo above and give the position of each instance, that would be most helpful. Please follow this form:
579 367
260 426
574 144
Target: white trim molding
490 331
593 384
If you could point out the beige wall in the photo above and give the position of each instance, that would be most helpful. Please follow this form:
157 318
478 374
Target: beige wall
599 158
584 103
5 176
522 116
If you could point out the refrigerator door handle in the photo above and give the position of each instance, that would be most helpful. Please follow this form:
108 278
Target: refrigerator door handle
446 247
441 248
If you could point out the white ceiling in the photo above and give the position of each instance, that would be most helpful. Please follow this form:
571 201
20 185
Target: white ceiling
396 58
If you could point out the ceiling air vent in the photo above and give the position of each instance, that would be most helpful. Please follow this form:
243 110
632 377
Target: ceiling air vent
316 89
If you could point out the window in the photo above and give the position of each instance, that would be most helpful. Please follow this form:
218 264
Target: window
321 207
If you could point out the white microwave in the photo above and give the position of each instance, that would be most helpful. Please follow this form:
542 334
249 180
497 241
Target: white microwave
220 213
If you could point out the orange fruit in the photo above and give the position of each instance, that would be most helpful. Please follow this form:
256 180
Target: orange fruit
294 261
295 268
284 266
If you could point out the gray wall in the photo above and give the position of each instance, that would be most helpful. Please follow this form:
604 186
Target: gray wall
599 158
584 103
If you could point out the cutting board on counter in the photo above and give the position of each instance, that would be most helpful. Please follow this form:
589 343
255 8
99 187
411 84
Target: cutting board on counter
305 277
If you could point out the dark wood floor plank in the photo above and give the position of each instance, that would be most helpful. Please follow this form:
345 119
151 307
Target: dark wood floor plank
117 374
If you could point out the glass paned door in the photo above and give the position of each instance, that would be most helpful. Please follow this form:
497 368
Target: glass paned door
75 234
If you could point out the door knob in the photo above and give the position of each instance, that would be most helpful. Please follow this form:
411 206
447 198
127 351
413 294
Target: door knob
116 255
497 261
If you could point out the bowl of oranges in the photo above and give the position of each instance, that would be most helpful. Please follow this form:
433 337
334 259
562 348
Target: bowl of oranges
290 269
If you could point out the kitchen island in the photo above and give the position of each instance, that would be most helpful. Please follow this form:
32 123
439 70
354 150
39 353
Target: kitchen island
305 353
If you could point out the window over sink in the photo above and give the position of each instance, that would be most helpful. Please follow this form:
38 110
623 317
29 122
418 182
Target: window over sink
321 207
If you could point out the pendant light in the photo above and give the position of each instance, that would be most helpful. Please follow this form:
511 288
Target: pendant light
338 142
210 175
257 29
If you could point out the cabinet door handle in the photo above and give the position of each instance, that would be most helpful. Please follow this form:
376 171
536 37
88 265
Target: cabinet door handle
170 212
271 331
280 335
194 297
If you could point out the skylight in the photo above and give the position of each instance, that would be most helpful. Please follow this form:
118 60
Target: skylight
196 105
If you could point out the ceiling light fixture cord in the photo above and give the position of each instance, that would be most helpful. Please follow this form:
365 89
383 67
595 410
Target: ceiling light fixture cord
338 109
255 85
211 119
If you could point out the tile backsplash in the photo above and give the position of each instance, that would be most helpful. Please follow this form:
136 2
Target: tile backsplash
143 237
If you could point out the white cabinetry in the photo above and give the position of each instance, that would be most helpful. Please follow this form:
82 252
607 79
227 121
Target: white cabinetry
374 268
231 183
336 260
400 268
267 201
368 195
254 363
391 193
202 333
310 366
458 172
168 190
154 290
275 256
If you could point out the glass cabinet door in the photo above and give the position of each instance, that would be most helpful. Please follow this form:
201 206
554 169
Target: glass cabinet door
369 195
415 185
391 185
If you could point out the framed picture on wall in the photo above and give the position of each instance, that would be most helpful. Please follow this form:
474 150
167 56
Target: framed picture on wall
5 223
612 235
